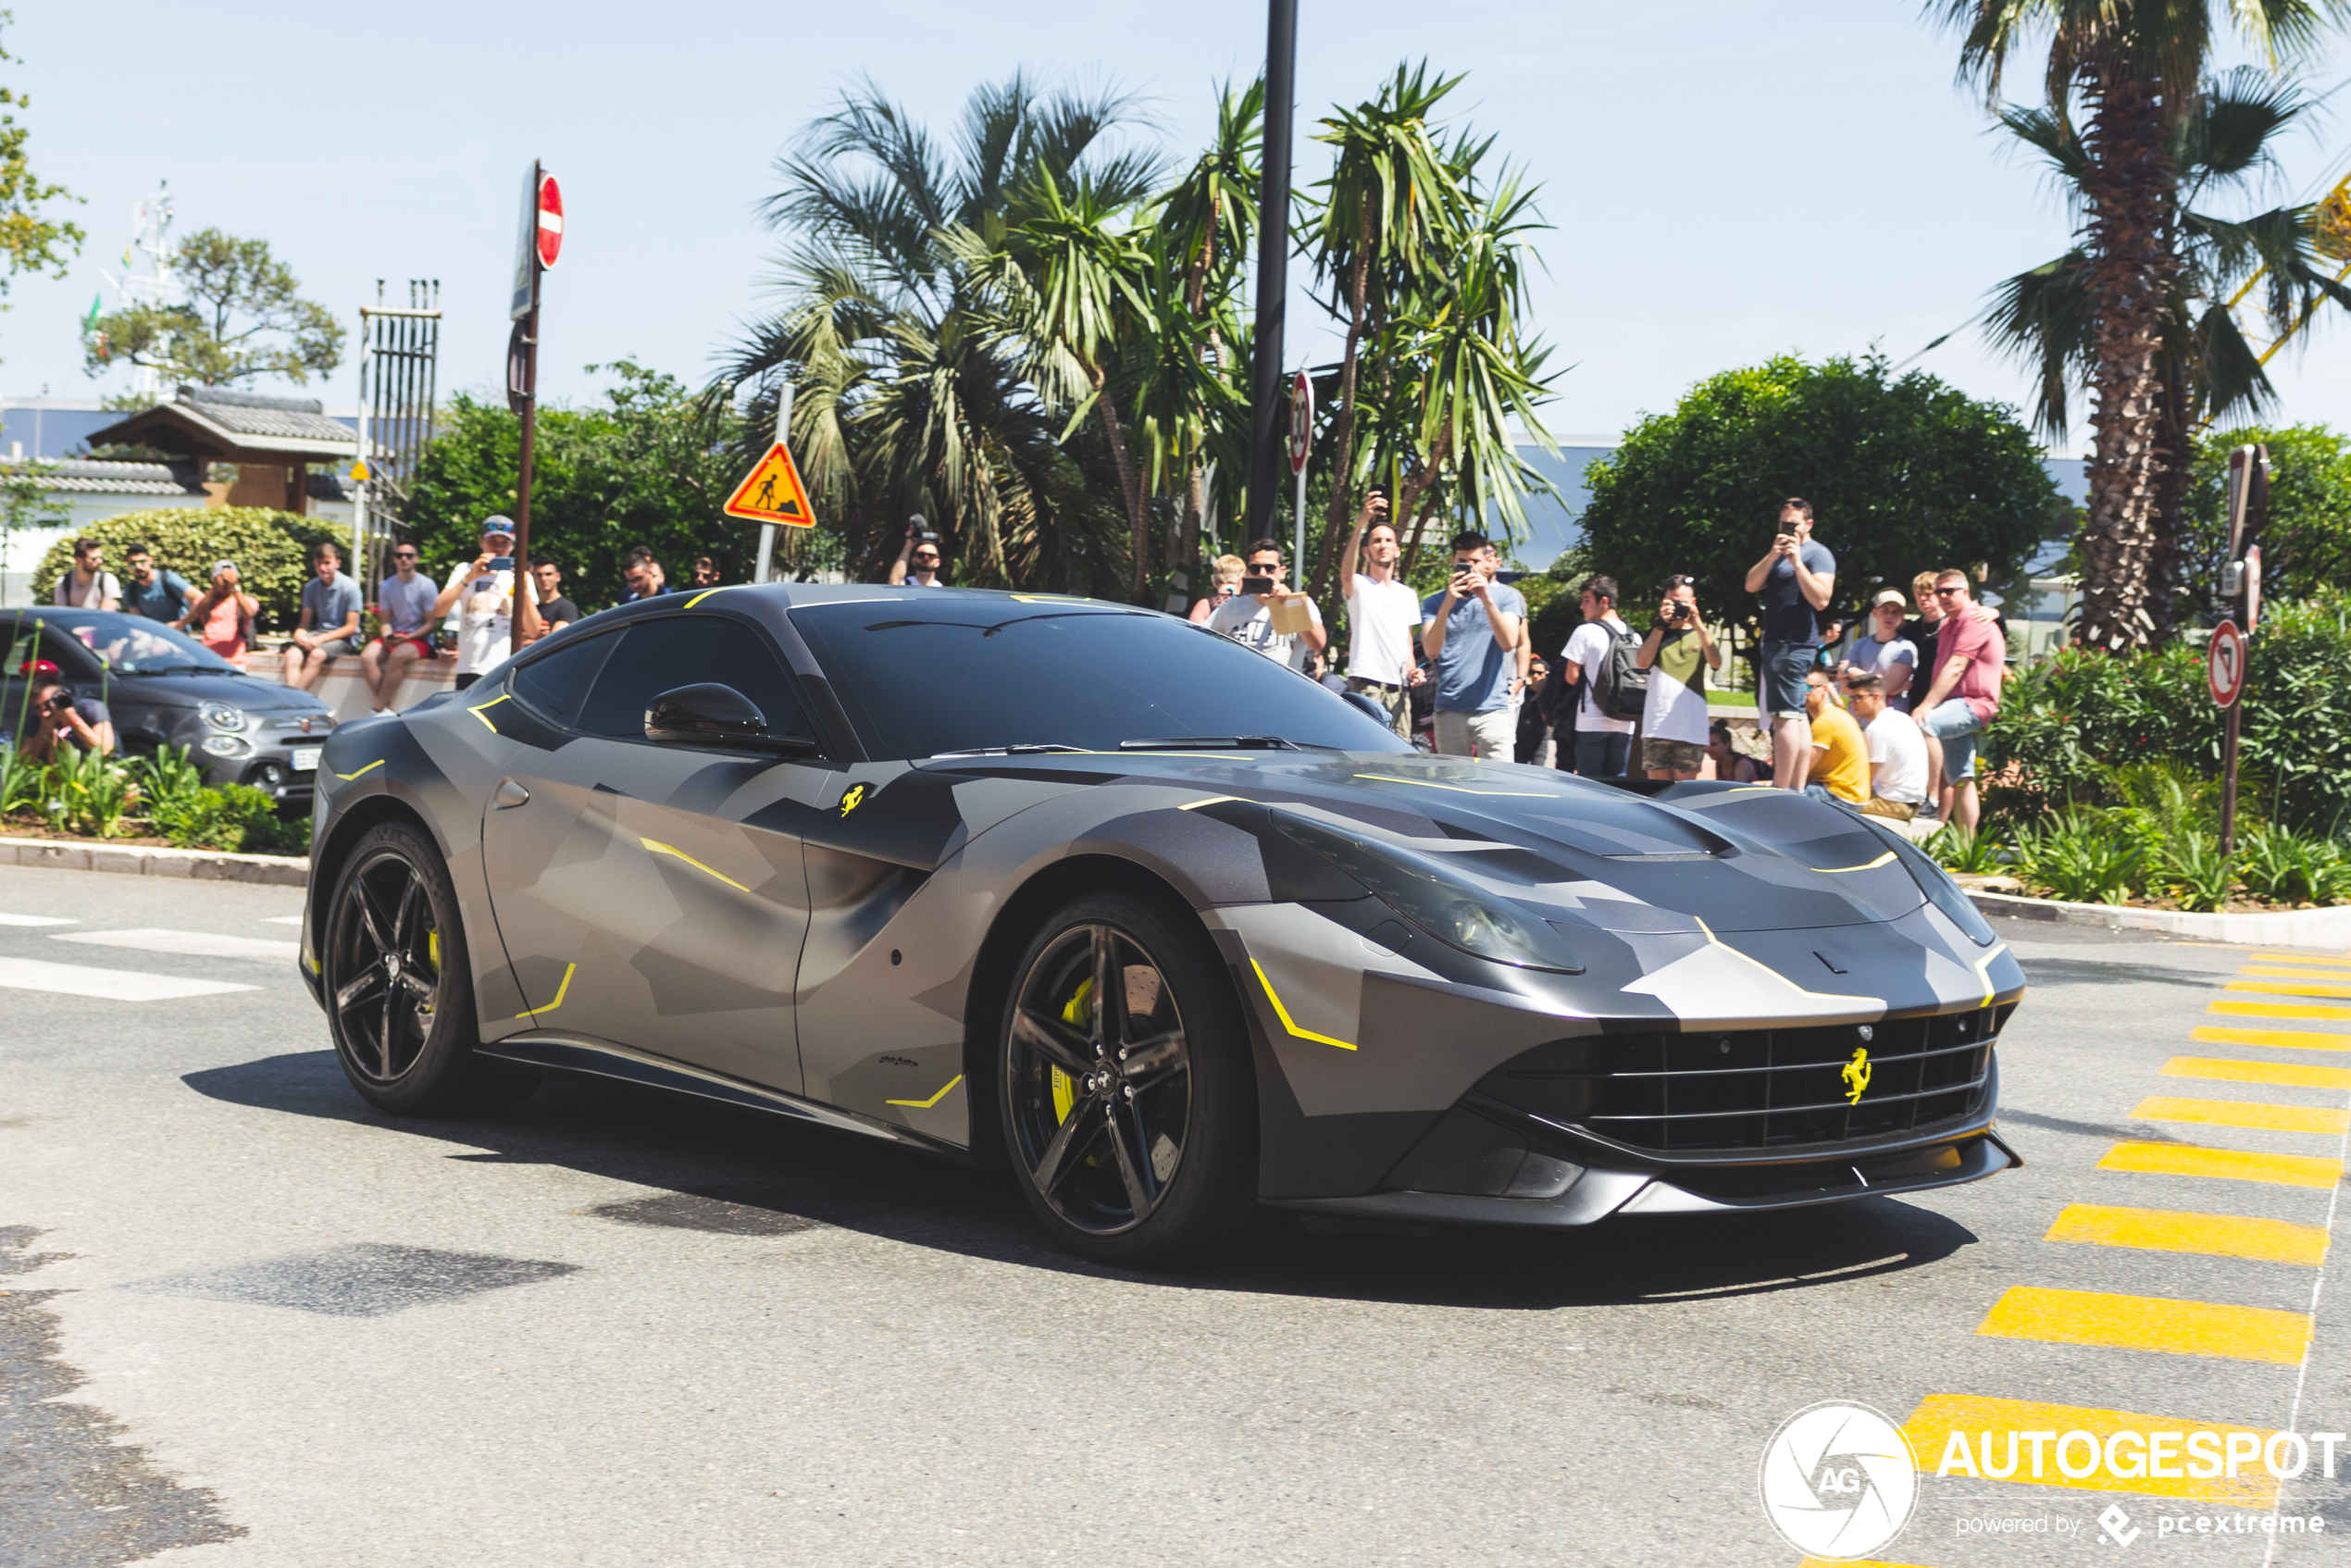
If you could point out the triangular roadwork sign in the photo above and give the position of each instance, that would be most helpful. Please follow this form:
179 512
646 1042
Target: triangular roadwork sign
772 493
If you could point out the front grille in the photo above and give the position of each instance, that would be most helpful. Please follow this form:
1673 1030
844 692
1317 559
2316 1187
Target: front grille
1758 1089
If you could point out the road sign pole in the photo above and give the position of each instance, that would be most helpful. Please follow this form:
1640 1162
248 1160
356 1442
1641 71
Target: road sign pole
522 478
1298 549
2228 781
767 530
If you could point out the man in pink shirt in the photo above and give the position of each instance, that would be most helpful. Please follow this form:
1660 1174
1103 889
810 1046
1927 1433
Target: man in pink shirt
1970 656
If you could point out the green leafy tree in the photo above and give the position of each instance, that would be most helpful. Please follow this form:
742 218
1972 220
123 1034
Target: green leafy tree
1907 475
243 317
2306 549
29 240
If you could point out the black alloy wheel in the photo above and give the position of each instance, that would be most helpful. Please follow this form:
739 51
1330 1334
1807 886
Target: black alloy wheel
1126 1094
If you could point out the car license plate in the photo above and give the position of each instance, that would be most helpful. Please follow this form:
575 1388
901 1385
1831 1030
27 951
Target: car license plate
305 758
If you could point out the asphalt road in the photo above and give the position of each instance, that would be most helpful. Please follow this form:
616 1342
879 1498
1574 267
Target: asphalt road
247 1322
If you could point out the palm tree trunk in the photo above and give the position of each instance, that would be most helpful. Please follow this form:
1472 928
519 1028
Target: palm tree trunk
2167 574
1127 493
2129 187
1343 437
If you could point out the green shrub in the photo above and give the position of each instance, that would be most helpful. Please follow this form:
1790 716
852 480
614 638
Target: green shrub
90 793
271 549
222 817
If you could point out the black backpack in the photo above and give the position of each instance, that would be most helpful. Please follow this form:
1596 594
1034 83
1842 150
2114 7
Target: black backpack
1622 688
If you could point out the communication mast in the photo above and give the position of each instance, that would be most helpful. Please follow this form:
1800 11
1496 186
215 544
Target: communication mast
399 372
149 275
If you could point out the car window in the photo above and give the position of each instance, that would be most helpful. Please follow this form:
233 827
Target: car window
993 674
668 652
127 644
557 682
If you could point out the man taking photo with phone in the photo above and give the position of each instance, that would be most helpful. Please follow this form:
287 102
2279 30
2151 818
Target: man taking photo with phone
1285 627
1796 578
1381 610
1470 633
479 603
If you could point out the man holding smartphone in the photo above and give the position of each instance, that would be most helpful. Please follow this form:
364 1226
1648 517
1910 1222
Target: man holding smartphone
1470 633
1249 617
479 603
1381 610
1796 578
1677 652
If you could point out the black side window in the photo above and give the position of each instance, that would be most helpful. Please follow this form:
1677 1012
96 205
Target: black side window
557 685
662 654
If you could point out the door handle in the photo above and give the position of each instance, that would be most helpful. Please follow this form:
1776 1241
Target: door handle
510 794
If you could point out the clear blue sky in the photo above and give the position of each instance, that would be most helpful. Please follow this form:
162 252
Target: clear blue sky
1726 179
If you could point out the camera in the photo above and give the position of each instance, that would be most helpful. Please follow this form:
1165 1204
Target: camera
60 701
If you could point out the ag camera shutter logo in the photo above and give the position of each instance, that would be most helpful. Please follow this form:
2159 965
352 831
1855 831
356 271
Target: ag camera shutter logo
1839 1480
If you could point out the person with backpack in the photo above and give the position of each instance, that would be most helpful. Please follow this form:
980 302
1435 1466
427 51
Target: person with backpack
1673 719
1470 633
1603 661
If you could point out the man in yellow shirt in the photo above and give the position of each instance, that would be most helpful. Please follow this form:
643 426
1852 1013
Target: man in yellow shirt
1840 757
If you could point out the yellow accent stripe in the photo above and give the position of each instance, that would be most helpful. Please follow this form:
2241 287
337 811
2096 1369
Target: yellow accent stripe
656 847
2243 1113
920 1104
721 588
2213 1236
2232 1070
492 704
2279 972
2287 987
1213 799
2281 1010
1865 865
534 1012
1939 1415
1462 789
1983 970
2149 1323
369 768
2226 1165
1283 1013
2292 1039
2297 958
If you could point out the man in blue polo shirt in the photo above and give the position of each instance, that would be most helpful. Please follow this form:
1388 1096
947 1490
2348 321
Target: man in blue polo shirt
1470 633
1796 578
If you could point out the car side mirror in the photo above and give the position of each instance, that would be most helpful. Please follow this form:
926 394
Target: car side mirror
712 715
1370 709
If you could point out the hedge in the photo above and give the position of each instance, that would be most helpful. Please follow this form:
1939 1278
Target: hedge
271 549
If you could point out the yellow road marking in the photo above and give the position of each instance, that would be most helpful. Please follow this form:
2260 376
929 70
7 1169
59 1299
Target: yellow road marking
492 704
1283 1013
2281 1010
2280 972
2293 1039
2287 987
369 768
2297 958
2232 1070
1865 865
2149 1323
1939 1415
1462 788
2227 1165
2217 1236
534 1012
655 846
1213 799
918 1104
2243 1113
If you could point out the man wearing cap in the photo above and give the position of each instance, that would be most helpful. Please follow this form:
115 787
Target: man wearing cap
478 601
1882 651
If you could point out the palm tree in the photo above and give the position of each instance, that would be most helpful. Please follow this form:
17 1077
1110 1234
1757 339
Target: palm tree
2207 370
2137 66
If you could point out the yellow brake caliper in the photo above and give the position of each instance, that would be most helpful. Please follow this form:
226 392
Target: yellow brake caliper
1079 1012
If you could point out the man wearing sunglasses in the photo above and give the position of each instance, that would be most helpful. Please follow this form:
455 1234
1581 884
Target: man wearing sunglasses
404 611
918 558
1966 693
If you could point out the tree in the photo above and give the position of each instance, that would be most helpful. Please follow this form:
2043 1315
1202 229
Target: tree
2306 549
243 317
30 241
1907 475
2135 66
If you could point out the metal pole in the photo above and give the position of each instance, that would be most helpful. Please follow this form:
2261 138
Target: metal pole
1266 437
1298 531
359 490
2229 782
783 439
529 431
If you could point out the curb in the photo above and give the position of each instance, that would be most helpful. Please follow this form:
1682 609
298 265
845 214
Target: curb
203 866
2288 927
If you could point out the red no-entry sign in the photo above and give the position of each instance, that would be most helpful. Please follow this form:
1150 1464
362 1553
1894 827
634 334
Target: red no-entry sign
551 221
2224 664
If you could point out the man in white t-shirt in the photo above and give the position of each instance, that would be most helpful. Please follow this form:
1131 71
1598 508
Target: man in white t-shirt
1603 744
1249 618
1677 653
1897 750
1383 616
479 603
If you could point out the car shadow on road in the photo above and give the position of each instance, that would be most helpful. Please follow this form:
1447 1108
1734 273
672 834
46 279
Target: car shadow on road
716 1168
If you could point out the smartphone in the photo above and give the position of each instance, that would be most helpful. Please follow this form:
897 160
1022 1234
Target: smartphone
1257 585
501 564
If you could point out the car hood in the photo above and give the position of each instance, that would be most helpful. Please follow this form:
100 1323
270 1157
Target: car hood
1688 857
250 693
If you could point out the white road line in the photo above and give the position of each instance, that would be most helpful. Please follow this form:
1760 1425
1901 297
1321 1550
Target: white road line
188 944
111 985
36 920
281 919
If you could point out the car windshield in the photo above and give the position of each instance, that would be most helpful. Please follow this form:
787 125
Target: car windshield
982 674
128 644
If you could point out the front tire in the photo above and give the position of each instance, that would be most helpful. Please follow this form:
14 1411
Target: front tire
398 984
1126 1089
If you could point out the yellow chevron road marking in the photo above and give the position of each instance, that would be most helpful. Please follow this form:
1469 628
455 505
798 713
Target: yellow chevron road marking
2297 958
2291 1039
2243 1113
2230 1070
2149 1323
2216 1236
2287 987
2227 1165
2278 972
2280 1010
1983 1421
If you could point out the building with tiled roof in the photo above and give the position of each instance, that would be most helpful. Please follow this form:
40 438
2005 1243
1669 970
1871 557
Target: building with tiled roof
274 442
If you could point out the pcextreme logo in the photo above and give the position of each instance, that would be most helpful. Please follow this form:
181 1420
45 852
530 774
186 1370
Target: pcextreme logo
1838 1480
1856 1076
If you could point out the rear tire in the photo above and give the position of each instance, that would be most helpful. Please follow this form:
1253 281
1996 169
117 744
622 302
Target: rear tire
1132 1127
399 986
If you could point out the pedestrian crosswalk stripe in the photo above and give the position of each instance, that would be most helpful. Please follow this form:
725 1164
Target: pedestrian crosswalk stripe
36 920
1982 1420
1850 1562
2228 1164
2279 972
2291 1039
2280 1010
2297 958
2243 1113
111 985
2232 1070
2287 987
189 944
281 919
2149 1323
2217 1236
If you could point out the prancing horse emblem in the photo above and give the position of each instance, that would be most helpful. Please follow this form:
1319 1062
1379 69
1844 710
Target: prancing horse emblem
852 801
1856 1077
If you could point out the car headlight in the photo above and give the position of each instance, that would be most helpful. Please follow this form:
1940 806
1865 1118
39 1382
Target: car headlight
1936 884
226 745
1436 899
220 716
